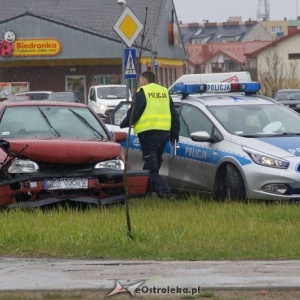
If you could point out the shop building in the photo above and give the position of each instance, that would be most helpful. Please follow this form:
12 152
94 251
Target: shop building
69 45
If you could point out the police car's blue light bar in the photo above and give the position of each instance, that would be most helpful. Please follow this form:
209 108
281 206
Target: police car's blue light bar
182 88
220 87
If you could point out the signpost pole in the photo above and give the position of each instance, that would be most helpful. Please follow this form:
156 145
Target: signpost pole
133 27
121 3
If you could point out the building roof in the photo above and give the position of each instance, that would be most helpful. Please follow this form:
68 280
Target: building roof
212 32
94 16
294 22
237 51
274 43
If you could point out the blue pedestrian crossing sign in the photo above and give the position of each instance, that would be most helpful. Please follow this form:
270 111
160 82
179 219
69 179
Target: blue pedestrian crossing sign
130 63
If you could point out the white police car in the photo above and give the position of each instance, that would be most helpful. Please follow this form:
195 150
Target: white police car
233 143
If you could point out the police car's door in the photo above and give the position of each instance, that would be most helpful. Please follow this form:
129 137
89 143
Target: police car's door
192 168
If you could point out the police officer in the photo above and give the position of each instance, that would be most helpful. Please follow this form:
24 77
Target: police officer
155 121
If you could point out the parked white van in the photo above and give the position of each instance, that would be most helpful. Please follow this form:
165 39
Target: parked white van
104 98
212 77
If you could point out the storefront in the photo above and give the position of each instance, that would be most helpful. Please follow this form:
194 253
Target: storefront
49 52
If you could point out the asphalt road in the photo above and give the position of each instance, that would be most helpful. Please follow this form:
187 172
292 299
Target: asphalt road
72 274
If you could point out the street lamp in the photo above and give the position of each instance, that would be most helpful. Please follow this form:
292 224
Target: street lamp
121 3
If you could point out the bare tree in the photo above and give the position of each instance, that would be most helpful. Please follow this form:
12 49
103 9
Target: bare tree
144 43
272 73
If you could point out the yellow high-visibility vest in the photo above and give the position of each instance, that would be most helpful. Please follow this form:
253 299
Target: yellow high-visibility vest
157 115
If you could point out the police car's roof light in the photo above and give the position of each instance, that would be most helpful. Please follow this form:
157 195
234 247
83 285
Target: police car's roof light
220 87
181 88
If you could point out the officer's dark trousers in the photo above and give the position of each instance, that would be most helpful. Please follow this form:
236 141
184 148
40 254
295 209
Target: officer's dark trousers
153 143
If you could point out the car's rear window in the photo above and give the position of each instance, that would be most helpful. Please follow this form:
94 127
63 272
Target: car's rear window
36 96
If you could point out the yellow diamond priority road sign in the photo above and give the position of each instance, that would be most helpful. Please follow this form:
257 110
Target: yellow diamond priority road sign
128 27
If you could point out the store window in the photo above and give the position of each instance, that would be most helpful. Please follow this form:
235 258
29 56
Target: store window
170 78
76 84
161 77
105 79
165 77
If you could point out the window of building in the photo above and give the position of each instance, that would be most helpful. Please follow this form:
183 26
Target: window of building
198 40
165 77
76 84
276 29
216 67
105 79
294 55
231 66
170 79
161 77
228 39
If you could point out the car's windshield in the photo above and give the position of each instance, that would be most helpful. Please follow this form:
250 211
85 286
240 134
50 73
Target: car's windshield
50 121
257 119
111 92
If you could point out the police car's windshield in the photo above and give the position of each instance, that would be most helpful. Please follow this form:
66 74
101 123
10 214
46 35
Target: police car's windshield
248 120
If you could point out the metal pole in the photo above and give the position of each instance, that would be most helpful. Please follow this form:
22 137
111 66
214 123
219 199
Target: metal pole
123 63
128 220
121 3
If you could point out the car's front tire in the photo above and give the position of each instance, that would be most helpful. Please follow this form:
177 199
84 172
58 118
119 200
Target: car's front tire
229 184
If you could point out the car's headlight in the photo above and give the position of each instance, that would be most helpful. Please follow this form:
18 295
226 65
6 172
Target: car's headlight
266 160
23 166
101 106
116 164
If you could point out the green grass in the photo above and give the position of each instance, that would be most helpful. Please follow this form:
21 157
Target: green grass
162 230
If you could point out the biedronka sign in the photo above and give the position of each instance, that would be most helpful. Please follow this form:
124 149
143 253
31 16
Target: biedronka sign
36 47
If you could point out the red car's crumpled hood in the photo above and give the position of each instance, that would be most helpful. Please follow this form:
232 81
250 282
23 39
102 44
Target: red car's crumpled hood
66 151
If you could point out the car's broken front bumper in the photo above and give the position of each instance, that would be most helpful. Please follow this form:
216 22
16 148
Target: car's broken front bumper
99 187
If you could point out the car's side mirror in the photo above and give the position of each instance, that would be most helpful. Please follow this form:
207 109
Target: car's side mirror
120 136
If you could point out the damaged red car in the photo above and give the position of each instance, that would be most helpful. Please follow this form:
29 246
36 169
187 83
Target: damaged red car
54 152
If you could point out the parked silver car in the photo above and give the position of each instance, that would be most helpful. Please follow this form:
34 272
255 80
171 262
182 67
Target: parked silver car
233 144
36 95
64 96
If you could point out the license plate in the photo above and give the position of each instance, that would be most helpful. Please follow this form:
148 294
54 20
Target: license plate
65 183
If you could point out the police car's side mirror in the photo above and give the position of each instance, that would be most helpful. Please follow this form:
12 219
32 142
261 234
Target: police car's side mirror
200 136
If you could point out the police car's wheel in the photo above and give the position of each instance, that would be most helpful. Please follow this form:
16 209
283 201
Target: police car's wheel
229 184
234 184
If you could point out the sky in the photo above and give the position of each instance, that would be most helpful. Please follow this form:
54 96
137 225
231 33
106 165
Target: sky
189 11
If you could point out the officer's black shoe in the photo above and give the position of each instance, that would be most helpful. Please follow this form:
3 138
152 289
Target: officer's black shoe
150 195
167 196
